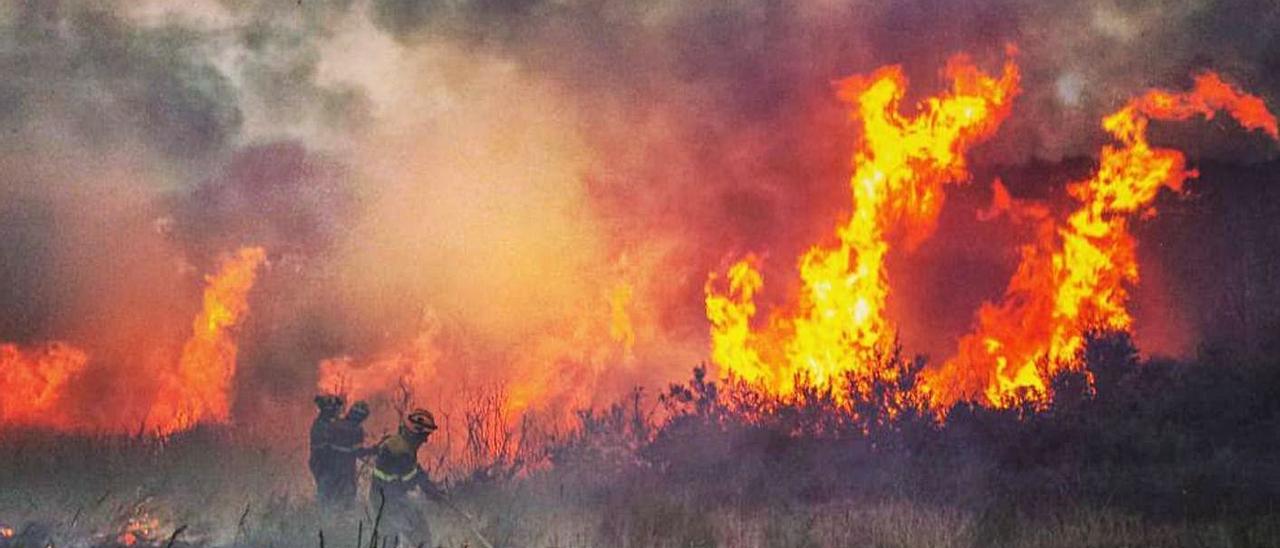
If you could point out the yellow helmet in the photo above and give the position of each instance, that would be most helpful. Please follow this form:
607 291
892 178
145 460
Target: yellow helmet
420 421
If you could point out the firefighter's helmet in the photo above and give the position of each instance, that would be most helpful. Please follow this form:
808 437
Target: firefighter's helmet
420 421
359 411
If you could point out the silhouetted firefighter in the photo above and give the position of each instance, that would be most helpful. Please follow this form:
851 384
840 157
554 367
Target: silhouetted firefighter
396 474
324 458
346 440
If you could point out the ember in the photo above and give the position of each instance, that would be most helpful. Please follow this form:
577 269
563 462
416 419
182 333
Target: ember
140 530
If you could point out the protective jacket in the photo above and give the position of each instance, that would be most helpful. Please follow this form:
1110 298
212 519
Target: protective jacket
396 458
396 473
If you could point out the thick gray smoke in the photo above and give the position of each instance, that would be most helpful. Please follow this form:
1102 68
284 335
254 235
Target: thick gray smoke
498 169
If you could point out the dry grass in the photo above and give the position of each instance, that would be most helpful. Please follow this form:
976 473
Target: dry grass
228 490
229 498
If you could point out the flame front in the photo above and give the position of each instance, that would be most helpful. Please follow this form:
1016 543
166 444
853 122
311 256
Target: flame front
900 166
1076 275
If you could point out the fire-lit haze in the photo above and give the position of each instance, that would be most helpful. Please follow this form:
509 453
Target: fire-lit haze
212 210
196 388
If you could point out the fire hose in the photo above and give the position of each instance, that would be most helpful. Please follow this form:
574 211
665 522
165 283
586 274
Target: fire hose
471 522
441 497
432 491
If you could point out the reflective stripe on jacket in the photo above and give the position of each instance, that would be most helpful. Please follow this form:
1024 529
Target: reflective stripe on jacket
390 477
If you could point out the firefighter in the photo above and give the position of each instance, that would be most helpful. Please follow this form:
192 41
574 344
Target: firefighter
396 474
323 457
346 441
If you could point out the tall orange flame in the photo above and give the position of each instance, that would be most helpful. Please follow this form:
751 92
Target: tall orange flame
900 166
199 389
1076 276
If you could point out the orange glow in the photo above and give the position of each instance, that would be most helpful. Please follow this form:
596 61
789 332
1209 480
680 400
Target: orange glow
553 374
900 166
620 328
412 367
1077 274
38 383
199 390
33 381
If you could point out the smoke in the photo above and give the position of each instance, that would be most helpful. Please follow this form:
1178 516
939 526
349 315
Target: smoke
735 99
503 167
